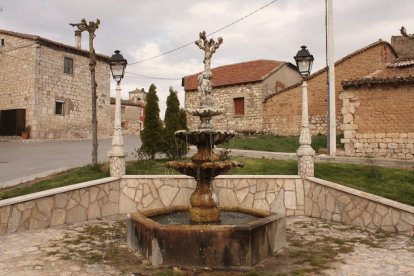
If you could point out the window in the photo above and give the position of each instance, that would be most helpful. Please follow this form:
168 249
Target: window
68 65
59 107
2 42
238 106
141 112
140 125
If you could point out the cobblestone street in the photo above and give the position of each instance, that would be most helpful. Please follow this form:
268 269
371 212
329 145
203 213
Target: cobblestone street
70 250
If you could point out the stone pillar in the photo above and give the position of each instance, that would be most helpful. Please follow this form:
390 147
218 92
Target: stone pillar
117 154
305 152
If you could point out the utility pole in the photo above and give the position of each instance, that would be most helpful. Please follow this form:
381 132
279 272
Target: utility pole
83 26
331 85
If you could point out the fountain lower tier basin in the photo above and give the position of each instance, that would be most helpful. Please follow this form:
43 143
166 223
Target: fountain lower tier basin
243 244
205 170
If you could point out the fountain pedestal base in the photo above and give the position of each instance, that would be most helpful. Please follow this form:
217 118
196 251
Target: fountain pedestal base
204 215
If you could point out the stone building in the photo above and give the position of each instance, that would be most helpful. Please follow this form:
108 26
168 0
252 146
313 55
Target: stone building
46 85
239 89
378 112
132 112
282 109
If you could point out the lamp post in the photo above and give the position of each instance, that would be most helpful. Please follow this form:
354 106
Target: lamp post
117 155
305 153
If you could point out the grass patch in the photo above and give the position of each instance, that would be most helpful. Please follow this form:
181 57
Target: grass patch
395 184
72 176
296 243
274 143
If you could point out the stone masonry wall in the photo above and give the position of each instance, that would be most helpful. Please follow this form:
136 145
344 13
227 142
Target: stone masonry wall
282 112
282 194
109 196
330 201
130 119
223 99
75 90
379 121
17 71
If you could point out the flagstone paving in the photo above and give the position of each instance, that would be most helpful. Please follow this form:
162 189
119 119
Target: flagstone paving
98 247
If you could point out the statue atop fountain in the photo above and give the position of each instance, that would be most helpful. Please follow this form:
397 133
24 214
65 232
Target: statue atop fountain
205 165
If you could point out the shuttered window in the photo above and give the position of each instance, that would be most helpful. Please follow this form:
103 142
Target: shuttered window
238 106
68 68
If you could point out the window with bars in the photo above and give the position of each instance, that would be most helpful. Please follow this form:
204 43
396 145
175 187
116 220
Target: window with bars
68 68
238 106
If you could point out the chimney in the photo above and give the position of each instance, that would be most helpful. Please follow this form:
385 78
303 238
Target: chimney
78 39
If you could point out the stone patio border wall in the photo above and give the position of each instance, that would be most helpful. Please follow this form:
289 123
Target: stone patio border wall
331 201
282 194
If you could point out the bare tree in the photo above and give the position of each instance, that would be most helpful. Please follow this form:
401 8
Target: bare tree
404 33
91 27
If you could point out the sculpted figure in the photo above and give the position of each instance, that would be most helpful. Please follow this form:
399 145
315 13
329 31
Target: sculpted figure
209 48
205 84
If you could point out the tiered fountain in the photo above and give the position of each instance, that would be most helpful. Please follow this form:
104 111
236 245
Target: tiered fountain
206 234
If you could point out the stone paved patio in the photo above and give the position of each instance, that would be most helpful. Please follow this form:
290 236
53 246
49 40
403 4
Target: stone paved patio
315 247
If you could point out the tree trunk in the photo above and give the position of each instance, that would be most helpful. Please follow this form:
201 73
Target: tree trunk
94 120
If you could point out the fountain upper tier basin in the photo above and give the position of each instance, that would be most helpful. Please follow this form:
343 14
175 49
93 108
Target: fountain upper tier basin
206 169
205 136
205 112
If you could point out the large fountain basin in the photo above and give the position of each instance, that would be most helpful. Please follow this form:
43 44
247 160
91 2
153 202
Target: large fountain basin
206 245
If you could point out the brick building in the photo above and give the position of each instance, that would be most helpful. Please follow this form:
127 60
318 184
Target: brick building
239 89
132 112
46 85
378 112
282 109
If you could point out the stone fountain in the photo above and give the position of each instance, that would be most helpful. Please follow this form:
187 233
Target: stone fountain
199 235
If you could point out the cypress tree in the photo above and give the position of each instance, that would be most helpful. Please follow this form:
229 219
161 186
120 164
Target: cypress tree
152 134
173 147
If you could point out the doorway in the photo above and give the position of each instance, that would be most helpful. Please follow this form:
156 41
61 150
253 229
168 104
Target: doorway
12 122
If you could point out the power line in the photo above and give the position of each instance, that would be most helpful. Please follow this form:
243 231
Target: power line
150 77
207 35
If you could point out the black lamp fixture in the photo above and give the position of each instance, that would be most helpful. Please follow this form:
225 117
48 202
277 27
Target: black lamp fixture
304 61
117 64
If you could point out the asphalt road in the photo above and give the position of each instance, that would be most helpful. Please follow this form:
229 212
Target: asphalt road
22 159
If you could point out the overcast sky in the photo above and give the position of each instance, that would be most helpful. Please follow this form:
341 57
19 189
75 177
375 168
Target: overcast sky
141 29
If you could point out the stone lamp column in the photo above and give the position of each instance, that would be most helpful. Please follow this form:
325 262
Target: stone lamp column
117 154
305 152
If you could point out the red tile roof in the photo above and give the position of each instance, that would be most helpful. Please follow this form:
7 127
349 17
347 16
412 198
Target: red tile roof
244 72
47 42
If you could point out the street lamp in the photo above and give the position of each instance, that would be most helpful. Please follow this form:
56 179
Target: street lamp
304 61
117 155
305 152
117 64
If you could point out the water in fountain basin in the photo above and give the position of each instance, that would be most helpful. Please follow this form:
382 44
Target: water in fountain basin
183 218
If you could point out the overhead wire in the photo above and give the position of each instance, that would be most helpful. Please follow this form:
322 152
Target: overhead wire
190 43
